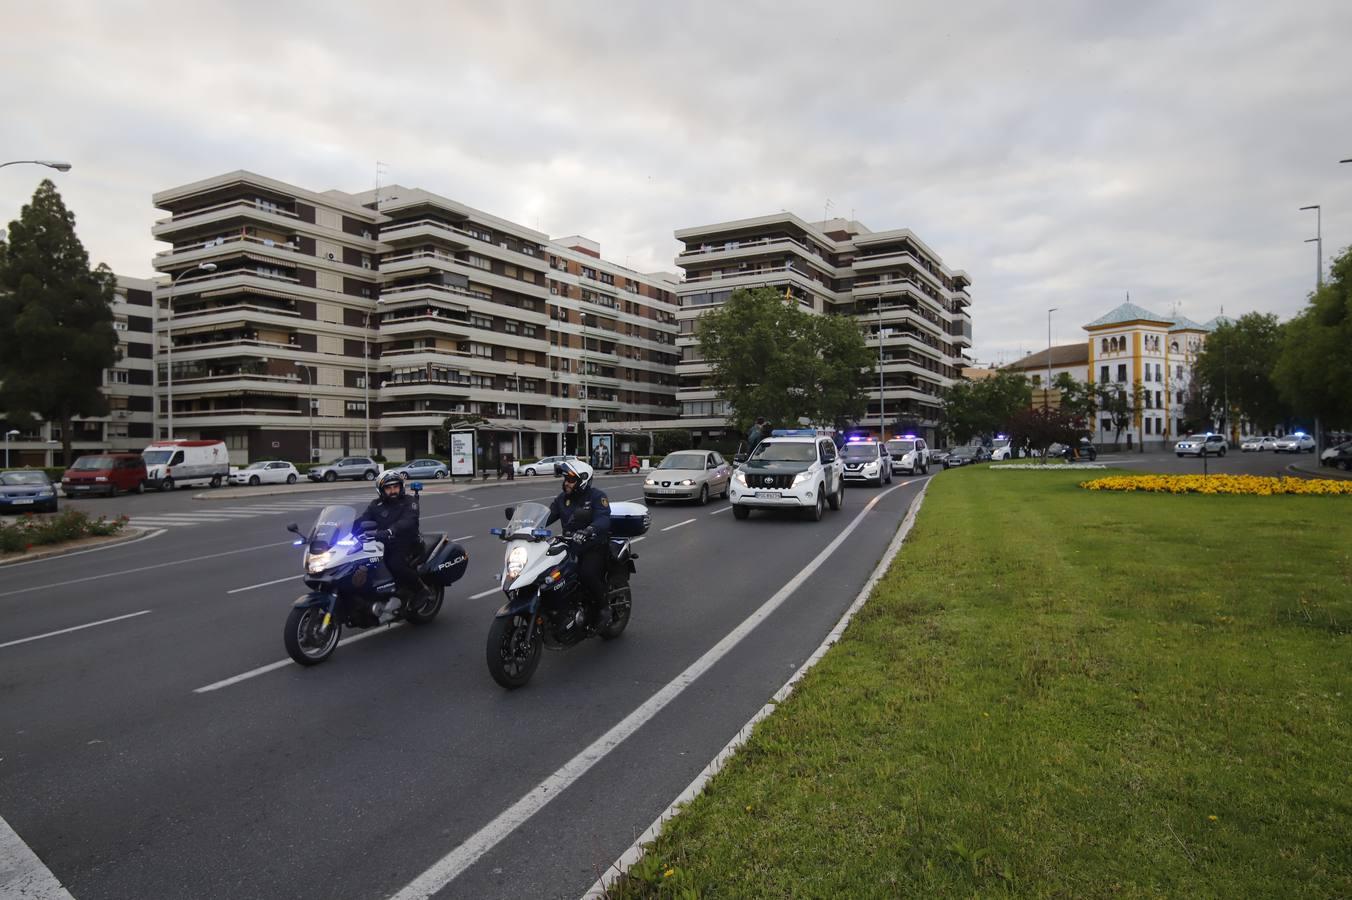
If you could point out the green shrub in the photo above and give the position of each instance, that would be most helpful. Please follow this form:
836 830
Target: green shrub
33 531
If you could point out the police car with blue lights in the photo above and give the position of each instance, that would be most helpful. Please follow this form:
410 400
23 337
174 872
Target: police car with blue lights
793 468
866 460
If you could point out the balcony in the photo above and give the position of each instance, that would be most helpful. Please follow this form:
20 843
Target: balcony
221 212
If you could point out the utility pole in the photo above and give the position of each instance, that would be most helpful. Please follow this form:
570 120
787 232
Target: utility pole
1047 388
1318 241
882 396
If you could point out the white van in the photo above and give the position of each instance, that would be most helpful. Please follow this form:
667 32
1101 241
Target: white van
171 463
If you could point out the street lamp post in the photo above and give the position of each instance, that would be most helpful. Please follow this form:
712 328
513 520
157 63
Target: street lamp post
9 434
1318 241
310 450
1047 388
366 381
169 338
49 163
882 390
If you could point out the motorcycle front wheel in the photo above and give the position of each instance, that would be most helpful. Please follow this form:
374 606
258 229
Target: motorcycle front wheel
307 641
511 657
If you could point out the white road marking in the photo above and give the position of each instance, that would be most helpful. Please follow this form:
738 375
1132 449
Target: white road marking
678 524
632 855
272 667
720 509
464 538
23 874
135 540
38 637
264 584
453 864
642 537
163 565
483 594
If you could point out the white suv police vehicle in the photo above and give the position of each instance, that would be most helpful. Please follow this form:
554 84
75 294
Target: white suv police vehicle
866 460
909 454
790 469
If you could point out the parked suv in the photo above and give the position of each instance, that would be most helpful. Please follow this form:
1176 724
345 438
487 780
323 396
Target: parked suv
910 455
791 469
105 473
355 467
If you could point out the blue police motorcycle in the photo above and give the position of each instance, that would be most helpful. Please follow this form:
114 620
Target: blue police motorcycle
350 585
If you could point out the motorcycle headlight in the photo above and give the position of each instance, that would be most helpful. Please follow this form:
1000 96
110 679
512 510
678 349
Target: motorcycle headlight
318 562
740 477
516 561
801 477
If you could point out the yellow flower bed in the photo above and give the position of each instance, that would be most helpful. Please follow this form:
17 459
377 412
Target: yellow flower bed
1257 485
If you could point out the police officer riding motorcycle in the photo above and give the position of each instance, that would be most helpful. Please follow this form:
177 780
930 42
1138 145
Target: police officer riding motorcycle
587 534
395 514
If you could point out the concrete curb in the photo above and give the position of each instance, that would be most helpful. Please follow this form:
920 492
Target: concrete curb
600 890
1330 472
129 533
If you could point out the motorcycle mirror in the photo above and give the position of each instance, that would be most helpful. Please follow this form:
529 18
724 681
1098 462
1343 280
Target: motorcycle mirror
294 528
510 511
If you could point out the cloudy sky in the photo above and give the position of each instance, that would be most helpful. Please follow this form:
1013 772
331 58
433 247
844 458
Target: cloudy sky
1063 153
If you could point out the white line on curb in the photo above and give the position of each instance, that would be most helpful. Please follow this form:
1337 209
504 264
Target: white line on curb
281 664
23 873
678 524
453 864
38 637
635 852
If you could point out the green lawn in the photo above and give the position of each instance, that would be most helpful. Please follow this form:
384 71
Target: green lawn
1058 693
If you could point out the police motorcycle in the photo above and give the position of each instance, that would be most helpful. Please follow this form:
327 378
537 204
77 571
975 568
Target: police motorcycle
546 605
350 584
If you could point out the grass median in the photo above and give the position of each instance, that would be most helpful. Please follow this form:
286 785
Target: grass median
1058 692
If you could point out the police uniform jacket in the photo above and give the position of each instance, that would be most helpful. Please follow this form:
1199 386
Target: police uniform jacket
567 505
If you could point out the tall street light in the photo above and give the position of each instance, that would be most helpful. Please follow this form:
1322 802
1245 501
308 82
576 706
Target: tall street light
1318 240
49 163
310 451
882 395
9 434
1046 394
169 335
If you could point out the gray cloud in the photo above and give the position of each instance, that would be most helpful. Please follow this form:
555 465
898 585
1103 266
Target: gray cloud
1062 155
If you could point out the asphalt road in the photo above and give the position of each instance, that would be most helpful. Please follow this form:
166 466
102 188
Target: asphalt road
354 778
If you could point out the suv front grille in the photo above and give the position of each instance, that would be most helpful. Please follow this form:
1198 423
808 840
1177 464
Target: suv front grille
764 482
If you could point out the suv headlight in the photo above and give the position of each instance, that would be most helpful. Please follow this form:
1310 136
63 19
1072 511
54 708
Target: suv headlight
740 477
802 477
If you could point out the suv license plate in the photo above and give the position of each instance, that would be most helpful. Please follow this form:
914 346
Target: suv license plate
20 502
767 495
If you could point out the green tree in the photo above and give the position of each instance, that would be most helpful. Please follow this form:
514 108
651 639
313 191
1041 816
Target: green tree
1039 428
1078 399
1314 367
58 335
1238 360
771 359
1115 401
982 408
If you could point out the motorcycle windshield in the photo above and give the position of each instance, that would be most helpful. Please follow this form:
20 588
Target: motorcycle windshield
526 518
334 524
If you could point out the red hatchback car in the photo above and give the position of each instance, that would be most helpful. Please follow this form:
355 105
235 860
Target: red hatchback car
105 473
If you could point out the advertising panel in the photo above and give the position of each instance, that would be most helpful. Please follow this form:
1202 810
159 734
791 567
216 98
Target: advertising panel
462 453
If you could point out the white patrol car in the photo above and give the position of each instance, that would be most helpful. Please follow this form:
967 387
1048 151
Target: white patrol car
910 454
866 460
790 469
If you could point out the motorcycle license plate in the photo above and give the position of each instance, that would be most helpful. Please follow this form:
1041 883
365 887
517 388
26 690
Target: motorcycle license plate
768 495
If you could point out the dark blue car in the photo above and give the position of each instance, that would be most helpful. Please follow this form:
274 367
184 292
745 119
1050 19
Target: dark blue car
26 490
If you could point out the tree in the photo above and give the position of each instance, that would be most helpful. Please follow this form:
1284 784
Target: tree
771 359
1237 361
58 335
1039 428
982 408
1119 405
1314 367
1078 399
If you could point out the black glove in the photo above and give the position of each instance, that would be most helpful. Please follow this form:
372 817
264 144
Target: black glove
581 538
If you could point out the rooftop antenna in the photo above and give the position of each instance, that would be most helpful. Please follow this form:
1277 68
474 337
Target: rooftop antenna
381 169
826 209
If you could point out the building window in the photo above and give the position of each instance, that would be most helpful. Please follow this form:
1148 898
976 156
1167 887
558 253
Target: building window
356 408
116 376
479 321
1122 372
1159 399
484 350
1103 374
479 262
1105 345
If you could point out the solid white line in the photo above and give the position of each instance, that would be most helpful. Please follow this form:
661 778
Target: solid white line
135 540
721 509
281 664
642 537
598 891
38 637
163 565
678 524
264 584
464 538
23 873
483 594
450 866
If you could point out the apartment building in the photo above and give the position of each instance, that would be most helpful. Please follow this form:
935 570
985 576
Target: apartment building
350 323
128 385
913 309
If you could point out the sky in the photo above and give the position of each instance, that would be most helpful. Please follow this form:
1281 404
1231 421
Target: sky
1063 154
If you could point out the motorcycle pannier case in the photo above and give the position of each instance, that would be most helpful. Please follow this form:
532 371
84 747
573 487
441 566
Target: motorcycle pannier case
629 520
447 562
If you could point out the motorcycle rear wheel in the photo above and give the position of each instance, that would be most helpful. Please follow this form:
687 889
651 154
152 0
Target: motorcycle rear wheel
307 641
511 660
620 608
428 610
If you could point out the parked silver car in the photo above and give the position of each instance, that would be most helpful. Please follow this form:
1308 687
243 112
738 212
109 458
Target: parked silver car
423 468
357 467
543 466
